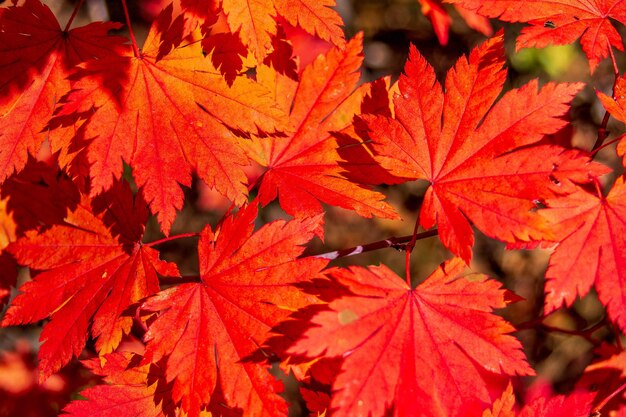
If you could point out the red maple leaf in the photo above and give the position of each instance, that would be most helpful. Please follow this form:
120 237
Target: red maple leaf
8 267
304 168
168 114
20 212
560 22
226 52
56 194
36 57
131 389
592 230
607 377
411 348
210 330
94 267
461 143
576 404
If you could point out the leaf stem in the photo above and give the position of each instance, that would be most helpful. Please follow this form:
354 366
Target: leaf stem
597 408
74 13
136 51
602 132
398 243
187 279
256 182
169 239
596 182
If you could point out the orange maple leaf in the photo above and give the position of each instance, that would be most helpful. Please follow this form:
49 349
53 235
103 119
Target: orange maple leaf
592 235
255 21
461 143
617 107
167 114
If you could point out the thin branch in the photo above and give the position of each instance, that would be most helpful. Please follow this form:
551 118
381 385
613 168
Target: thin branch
398 243
580 333
609 143
169 239
74 13
585 333
602 132
187 279
130 31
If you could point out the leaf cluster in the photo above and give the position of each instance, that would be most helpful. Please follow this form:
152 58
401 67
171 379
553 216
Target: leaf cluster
218 86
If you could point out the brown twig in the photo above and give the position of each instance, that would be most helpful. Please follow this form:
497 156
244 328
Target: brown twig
392 242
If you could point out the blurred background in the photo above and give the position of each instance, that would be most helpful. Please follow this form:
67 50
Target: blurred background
556 347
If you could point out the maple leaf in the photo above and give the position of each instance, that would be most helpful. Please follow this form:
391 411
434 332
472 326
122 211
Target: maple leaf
314 16
316 384
503 406
606 376
592 234
132 389
461 143
617 107
207 330
438 17
166 115
441 21
560 22
8 268
201 9
426 351
226 51
303 168
19 212
92 273
36 57
355 143
475 21
576 404
55 195
255 21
